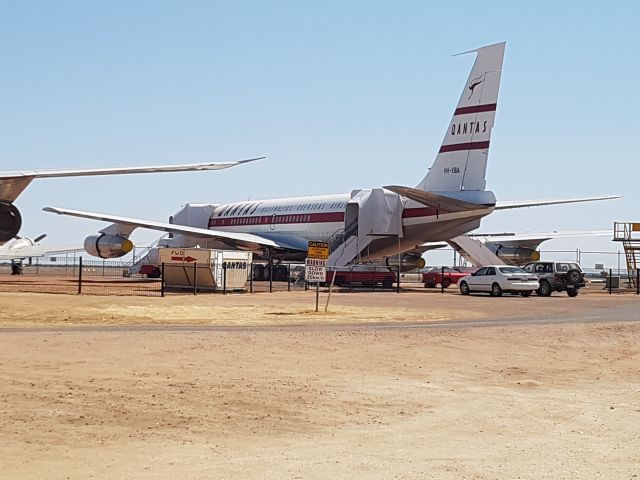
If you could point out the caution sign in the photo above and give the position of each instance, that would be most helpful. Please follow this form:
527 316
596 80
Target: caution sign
319 250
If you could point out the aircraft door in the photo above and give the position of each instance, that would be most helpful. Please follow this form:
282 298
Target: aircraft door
351 215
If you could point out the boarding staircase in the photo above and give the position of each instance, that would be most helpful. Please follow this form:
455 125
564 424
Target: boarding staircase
142 257
629 234
474 251
370 214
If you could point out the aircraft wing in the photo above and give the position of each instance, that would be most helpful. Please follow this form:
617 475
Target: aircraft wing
13 183
38 251
240 240
538 203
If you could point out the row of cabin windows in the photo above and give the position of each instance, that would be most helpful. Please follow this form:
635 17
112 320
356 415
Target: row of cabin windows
257 220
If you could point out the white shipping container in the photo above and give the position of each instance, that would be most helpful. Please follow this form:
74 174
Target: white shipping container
208 267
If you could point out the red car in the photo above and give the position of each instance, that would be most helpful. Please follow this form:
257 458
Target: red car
433 276
362 275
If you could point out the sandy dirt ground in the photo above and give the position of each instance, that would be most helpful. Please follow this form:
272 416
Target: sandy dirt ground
306 395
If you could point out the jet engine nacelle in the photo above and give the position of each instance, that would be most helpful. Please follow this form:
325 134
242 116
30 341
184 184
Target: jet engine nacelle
107 246
408 261
10 221
517 255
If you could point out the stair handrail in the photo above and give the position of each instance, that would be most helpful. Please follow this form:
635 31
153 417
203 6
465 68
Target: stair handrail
145 251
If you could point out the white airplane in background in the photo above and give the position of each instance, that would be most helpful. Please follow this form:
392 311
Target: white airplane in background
365 225
24 247
13 183
508 248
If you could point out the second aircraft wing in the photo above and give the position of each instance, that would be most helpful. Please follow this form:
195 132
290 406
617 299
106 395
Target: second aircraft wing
13 183
241 240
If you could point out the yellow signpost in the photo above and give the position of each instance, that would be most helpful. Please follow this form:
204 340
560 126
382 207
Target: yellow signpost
316 265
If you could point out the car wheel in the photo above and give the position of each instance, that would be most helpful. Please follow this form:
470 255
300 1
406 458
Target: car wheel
545 289
573 276
446 282
387 282
525 293
464 288
155 273
258 272
429 285
573 293
496 291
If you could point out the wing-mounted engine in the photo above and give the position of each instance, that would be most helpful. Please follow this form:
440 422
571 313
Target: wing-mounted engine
107 246
408 262
514 255
10 221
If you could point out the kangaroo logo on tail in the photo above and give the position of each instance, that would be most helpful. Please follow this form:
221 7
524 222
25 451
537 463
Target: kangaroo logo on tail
474 83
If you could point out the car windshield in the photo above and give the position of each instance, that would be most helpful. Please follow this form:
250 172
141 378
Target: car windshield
566 266
510 270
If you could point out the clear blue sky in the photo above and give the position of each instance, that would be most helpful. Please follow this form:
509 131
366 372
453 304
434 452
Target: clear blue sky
338 95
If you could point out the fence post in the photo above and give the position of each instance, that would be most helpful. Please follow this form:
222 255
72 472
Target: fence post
398 279
224 278
270 274
195 278
442 279
251 278
80 276
637 281
373 283
162 280
289 277
610 280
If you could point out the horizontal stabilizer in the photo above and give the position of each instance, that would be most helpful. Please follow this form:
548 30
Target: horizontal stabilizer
434 200
539 203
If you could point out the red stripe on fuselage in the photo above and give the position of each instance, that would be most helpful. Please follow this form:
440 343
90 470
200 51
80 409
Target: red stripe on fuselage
293 218
489 107
456 147
421 212
296 218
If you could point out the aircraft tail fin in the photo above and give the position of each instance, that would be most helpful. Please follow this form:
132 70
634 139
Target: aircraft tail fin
462 159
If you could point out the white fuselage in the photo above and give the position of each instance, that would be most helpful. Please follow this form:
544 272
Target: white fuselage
294 222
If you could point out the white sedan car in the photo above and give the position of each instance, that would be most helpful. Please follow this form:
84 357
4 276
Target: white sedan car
496 279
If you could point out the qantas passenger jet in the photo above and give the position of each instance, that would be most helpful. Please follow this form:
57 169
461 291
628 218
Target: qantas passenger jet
364 225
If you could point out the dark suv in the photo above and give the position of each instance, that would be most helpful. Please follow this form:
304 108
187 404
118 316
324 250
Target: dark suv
557 276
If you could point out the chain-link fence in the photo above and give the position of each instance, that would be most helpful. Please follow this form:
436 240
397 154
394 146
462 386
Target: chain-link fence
104 277
90 277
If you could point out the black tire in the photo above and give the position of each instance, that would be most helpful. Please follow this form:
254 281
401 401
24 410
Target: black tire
496 291
338 281
429 285
574 277
525 293
572 293
266 273
258 272
464 288
387 282
280 273
155 273
545 289
446 282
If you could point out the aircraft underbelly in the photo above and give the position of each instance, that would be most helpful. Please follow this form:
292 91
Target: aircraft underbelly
415 234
